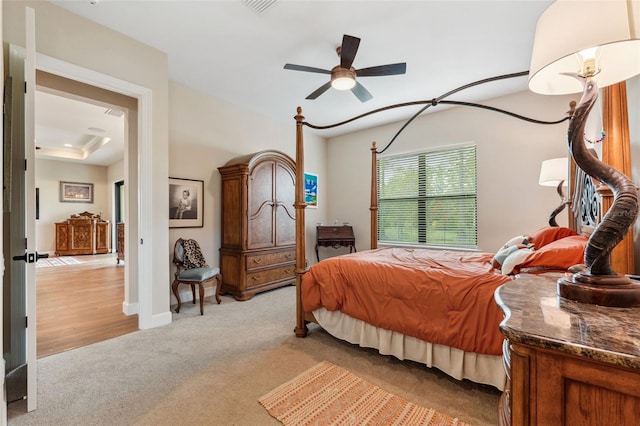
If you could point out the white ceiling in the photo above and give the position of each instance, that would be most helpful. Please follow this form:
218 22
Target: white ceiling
227 49
73 130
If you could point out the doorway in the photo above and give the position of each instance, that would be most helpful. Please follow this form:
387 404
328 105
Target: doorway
80 136
74 326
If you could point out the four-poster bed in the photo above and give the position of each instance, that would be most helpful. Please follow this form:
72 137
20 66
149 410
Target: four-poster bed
477 353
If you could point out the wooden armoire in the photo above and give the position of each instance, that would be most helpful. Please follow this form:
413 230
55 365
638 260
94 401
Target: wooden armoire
258 250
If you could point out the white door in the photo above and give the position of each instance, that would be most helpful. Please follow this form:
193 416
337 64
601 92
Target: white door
19 220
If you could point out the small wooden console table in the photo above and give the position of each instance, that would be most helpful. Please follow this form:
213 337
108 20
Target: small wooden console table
335 236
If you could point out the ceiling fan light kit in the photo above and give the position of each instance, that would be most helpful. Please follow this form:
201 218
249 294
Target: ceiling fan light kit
343 79
343 76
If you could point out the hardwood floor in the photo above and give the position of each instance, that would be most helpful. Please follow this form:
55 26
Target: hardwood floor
78 305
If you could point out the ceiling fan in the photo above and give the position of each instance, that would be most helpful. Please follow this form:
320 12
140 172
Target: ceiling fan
343 76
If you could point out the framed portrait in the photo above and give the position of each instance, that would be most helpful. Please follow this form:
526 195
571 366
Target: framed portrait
76 192
311 190
186 202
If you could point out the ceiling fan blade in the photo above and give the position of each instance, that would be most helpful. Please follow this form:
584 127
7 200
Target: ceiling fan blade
320 90
305 68
348 50
361 93
391 69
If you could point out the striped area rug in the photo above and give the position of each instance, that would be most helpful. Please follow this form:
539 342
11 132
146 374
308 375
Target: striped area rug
330 395
57 261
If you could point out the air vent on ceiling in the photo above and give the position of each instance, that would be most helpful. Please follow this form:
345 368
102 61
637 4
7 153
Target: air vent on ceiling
114 112
259 6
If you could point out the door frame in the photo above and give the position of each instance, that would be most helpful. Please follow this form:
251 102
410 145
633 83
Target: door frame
140 230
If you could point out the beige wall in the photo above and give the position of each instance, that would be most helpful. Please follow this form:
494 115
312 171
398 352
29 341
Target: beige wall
510 152
49 174
205 133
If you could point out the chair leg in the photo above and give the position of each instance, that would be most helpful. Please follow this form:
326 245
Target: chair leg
193 291
201 298
174 287
218 285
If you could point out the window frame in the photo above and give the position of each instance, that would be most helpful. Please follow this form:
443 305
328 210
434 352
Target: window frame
469 238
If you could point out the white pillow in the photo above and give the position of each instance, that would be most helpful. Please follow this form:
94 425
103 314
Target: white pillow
515 258
508 248
520 239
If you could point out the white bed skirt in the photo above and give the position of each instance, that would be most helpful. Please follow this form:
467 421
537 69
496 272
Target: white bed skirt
479 368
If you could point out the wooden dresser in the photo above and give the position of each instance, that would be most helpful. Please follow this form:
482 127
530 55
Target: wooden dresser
567 363
83 233
258 224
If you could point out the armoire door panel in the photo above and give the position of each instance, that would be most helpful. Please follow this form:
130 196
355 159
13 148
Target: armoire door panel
285 232
261 206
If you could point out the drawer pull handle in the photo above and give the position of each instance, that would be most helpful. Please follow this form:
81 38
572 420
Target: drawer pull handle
288 255
255 278
287 271
258 261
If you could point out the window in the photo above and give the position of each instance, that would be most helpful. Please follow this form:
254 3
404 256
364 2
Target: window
429 198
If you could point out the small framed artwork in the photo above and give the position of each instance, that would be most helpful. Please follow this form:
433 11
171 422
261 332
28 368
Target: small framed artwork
76 192
311 190
186 202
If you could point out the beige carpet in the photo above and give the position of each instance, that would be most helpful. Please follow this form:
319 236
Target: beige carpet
327 394
211 370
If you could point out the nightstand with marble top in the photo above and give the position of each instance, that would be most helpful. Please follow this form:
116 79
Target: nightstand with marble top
567 362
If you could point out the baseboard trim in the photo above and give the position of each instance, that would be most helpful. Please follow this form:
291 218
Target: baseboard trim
187 296
161 319
130 308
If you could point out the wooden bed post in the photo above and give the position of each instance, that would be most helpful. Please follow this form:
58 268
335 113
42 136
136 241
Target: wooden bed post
616 152
301 243
374 197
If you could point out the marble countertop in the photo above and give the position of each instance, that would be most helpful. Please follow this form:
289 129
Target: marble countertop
536 316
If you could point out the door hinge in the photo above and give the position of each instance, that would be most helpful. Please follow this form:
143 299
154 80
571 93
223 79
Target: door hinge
26 322
25 87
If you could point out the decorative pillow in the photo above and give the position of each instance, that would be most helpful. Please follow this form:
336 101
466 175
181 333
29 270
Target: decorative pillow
515 243
193 257
516 257
549 234
559 255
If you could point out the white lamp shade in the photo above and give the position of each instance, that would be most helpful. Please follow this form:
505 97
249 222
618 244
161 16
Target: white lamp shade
554 171
569 27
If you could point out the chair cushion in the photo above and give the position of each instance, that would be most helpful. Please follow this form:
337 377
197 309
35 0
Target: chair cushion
198 274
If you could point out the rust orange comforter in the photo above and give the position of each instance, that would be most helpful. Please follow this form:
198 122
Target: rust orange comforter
443 297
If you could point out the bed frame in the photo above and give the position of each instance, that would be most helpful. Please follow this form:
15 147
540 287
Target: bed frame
589 200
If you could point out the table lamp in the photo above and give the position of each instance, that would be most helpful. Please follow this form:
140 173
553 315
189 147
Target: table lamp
580 45
553 172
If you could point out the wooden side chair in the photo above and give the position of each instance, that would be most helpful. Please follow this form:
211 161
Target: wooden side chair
192 269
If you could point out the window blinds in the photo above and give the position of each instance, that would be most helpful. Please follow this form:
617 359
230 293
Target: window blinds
429 198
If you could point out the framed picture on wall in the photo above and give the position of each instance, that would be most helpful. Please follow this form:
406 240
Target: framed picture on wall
186 202
76 192
311 190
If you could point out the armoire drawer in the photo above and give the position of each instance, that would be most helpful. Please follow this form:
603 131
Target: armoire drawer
263 260
268 275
